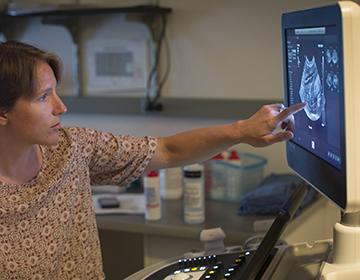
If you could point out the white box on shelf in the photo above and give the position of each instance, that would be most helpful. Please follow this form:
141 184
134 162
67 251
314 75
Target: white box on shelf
116 66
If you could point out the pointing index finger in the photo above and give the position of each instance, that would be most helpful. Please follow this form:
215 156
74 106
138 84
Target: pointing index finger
292 110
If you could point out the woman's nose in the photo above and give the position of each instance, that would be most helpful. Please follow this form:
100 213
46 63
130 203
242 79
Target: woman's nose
60 107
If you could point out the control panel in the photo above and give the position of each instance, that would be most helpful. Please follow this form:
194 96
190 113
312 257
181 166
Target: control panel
225 266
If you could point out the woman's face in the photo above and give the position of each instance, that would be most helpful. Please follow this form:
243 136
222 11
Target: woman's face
37 120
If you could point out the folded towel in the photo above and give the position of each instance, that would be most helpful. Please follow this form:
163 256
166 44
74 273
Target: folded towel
272 194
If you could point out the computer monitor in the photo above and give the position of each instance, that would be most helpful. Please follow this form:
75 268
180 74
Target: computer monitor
321 56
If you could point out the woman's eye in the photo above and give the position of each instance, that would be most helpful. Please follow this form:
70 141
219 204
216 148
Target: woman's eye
43 97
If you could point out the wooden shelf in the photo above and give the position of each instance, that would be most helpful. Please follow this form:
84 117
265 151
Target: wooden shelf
78 10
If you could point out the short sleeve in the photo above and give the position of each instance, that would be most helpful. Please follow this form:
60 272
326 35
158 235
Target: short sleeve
120 159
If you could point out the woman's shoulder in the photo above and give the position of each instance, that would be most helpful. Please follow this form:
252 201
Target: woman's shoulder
75 131
78 135
72 137
87 138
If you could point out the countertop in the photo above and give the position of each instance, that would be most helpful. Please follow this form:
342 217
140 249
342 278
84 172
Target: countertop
217 214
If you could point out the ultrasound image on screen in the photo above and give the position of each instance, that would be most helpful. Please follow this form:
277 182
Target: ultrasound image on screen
312 90
313 76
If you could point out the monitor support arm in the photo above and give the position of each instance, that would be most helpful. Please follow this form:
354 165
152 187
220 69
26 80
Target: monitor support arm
344 263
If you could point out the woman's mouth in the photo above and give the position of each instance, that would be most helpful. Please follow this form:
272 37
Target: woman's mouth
56 126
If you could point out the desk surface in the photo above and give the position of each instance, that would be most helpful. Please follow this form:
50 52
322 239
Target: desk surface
218 214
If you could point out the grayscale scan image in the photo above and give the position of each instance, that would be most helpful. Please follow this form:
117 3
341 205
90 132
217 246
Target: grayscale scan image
311 90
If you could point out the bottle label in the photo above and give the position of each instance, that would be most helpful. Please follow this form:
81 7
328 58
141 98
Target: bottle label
194 216
171 178
152 200
192 174
192 196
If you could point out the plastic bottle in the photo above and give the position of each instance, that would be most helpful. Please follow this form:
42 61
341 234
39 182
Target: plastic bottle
152 196
171 183
194 201
218 178
233 178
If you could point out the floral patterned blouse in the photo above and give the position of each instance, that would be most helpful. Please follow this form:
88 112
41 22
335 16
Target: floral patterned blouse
47 225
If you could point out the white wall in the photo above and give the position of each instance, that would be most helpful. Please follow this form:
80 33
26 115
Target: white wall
227 48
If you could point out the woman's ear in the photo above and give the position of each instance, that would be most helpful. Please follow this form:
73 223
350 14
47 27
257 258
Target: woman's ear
3 116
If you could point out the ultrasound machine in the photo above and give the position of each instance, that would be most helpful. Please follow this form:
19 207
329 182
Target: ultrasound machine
321 58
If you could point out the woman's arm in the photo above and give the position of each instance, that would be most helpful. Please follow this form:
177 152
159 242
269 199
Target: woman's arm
198 145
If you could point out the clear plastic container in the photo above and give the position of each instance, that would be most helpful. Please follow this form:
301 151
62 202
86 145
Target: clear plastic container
242 178
218 178
233 177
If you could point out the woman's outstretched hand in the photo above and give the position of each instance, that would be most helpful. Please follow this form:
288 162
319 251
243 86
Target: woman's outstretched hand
259 130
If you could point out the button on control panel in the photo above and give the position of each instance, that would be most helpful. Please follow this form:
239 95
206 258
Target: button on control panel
226 266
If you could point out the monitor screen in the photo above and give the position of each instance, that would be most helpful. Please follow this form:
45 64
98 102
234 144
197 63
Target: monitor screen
319 56
313 74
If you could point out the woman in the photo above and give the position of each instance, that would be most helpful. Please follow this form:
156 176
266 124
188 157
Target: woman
47 223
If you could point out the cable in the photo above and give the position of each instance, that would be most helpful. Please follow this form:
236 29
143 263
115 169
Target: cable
153 105
167 70
150 103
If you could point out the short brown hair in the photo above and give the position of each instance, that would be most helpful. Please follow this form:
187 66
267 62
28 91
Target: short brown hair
18 76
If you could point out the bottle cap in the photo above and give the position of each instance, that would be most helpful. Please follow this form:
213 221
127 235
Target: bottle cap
152 174
193 167
234 155
218 157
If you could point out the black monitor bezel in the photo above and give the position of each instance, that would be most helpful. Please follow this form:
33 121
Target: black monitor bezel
332 182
